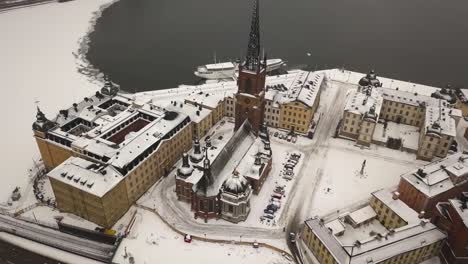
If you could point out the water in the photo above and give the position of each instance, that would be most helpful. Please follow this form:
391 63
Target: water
157 44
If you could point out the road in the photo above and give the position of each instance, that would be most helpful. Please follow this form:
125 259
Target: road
56 239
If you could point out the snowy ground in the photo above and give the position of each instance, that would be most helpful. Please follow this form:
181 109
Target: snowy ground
342 184
38 65
151 241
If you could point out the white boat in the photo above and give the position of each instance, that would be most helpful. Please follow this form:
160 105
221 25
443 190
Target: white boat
228 70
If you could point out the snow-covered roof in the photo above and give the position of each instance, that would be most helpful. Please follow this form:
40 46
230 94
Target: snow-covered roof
365 102
439 176
196 114
87 176
369 248
362 215
229 157
409 135
336 226
219 135
403 97
142 140
440 121
297 85
397 206
247 166
300 86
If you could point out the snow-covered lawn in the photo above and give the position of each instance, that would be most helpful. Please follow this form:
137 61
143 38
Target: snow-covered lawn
151 241
37 65
342 185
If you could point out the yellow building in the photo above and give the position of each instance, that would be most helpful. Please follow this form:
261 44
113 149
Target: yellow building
361 115
434 118
296 116
392 233
107 151
98 194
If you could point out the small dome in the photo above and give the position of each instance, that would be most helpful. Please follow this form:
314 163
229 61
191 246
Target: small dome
370 80
186 169
235 184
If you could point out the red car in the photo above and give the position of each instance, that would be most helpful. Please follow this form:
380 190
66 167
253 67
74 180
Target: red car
188 238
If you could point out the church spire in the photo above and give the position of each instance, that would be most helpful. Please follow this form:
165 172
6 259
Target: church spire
253 51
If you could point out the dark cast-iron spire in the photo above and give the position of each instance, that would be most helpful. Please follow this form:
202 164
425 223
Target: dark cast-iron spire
253 51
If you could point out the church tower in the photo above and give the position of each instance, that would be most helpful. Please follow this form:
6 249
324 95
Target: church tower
250 97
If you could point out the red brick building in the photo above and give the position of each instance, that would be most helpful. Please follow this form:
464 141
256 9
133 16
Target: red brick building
436 182
452 218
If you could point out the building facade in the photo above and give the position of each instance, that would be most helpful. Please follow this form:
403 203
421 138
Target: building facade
370 105
436 182
390 232
452 218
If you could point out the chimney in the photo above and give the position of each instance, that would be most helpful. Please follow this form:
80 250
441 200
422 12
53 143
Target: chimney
396 195
421 214
257 160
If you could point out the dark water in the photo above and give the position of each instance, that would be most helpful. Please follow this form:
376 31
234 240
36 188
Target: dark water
156 44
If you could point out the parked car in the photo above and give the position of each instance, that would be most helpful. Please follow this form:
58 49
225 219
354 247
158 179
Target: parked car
268 216
277 196
293 161
292 237
294 139
268 211
280 136
289 173
187 238
287 177
288 138
275 134
272 207
279 191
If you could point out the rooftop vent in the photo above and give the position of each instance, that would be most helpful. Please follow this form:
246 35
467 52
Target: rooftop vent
421 173
421 214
